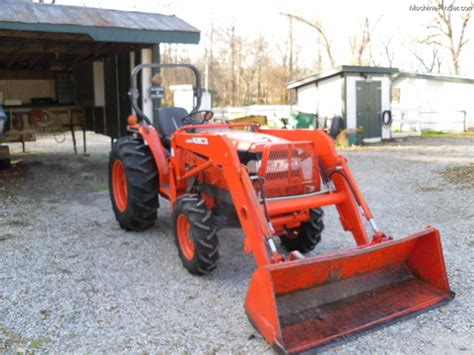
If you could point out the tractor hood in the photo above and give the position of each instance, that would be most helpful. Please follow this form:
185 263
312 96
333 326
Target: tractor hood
250 140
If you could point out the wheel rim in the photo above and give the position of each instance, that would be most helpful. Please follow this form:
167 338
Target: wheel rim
293 234
119 185
184 237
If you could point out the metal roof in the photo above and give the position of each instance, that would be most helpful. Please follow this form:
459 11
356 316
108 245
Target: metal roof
100 24
343 69
431 76
395 73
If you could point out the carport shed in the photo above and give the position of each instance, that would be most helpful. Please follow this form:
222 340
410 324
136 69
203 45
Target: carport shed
70 65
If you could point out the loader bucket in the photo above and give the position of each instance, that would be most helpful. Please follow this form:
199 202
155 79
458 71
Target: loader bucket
303 304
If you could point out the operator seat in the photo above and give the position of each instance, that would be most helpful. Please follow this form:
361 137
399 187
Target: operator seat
168 121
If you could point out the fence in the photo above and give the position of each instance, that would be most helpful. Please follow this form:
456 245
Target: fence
415 121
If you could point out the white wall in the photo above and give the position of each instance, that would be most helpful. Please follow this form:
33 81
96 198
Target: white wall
434 104
99 88
206 101
330 97
147 102
307 99
386 103
274 113
325 99
183 96
26 89
351 108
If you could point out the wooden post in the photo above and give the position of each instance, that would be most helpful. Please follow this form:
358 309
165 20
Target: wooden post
72 131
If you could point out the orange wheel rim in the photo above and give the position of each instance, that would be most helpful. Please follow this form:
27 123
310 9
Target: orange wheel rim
184 237
119 186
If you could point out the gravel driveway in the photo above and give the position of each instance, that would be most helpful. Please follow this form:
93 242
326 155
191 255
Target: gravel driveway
72 281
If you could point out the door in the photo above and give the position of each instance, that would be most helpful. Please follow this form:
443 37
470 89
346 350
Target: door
369 107
64 88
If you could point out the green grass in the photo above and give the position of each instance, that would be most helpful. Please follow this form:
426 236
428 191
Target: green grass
97 187
35 344
17 222
434 134
8 338
11 339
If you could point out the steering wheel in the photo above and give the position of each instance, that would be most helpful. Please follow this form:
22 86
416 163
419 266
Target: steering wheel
198 117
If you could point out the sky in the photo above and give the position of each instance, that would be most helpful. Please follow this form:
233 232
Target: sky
393 21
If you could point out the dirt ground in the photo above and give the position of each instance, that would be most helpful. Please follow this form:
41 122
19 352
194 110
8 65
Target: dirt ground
72 281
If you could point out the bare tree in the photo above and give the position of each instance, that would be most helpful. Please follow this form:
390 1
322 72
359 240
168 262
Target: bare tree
318 63
242 70
248 67
442 31
327 43
233 54
209 57
290 46
263 60
389 52
361 45
431 64
229 55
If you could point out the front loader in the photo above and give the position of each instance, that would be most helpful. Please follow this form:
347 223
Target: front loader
273 184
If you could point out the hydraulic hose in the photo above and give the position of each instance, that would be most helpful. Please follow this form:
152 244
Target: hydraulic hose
386 118
341 173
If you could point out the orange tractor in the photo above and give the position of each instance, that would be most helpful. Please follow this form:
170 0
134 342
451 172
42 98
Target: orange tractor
273 183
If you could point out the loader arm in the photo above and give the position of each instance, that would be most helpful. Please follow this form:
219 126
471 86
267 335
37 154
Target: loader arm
223 155
350 197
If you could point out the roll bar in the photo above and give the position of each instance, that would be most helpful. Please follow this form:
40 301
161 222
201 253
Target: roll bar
134 94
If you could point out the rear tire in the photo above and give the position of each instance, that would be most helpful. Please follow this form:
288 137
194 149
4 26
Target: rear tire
308 235
133 184
195 235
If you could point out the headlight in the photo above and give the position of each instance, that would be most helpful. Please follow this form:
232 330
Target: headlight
281 165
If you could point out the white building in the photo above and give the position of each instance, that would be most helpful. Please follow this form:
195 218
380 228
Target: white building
183 96
364 96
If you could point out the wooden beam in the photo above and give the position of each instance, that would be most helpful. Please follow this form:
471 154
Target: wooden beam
40 56
45 35
35 60
14 57
99 47
27 74
84 49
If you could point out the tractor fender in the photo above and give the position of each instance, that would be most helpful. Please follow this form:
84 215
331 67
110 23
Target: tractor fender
150 136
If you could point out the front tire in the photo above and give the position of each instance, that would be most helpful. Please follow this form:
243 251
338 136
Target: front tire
195 235
308 235
133 184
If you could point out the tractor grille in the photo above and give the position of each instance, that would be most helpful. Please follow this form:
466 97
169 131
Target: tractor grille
290 169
